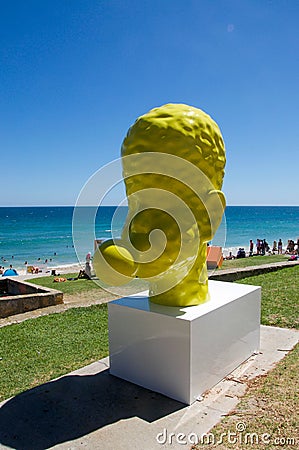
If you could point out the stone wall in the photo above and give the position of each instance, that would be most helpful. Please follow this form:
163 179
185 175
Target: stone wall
18 297
238 274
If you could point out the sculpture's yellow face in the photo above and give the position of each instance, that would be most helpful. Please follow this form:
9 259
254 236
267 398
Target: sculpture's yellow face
173 166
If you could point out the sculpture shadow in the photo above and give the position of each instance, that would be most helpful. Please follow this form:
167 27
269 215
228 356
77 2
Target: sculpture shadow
73 406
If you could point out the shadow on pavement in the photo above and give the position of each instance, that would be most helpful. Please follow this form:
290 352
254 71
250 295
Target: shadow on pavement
73 406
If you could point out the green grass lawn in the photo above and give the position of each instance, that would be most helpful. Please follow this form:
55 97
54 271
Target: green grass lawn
67 287
38 350
75 287
280 305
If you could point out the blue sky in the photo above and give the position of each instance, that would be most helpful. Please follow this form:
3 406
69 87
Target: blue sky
76 74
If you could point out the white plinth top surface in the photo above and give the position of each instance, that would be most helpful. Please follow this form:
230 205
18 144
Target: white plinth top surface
220 293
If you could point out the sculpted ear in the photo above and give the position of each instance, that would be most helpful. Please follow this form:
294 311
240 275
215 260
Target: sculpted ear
215 205
217 198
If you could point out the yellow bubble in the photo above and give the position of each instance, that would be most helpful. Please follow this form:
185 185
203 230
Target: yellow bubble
114 264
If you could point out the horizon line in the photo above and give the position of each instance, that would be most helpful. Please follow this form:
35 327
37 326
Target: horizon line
115 205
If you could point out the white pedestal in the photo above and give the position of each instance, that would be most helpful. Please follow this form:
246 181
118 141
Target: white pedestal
182 352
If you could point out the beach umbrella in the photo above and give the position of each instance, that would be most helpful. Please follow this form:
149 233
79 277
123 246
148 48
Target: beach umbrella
10 273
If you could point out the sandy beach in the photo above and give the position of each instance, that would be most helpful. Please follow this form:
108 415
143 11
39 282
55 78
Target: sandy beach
46 271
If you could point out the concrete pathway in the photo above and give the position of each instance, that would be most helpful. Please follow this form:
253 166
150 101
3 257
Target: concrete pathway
91 409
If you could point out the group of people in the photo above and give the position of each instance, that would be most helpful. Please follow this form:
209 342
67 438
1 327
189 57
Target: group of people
262 247
292 248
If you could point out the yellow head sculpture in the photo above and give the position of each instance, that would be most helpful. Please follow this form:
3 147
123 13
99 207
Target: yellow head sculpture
173 165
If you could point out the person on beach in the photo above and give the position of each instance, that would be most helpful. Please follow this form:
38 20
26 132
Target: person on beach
88 269
82 275
280 247
250 247
290 247
266 247
258 246
87 265
274 247
241 253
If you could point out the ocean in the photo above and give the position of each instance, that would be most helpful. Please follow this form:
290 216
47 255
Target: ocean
44 235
